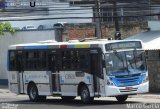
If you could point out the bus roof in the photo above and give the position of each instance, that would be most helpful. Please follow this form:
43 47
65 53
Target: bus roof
69 44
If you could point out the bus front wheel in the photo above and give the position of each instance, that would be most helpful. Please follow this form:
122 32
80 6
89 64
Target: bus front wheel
122 98
85 95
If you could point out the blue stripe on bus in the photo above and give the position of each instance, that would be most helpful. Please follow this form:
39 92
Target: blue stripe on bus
70 46
36 47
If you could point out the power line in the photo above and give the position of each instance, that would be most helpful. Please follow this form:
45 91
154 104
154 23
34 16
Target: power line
77 8
44 18
66 11
72 12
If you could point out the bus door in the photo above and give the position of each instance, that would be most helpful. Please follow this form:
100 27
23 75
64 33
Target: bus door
95 70
20 69
53 67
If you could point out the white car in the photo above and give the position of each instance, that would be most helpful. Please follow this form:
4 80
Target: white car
28 27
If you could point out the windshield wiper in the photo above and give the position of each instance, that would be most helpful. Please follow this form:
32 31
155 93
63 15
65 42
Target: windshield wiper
120 58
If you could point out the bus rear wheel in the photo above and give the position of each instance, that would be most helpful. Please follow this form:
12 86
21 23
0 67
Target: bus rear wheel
85 95
33 94
122 98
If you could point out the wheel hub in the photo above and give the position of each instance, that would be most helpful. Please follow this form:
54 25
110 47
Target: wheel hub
33 92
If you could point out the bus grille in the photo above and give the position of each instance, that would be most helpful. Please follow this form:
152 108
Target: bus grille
127 80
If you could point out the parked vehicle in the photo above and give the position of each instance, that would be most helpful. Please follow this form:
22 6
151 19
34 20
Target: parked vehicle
16 28
42 27
28 27
59 24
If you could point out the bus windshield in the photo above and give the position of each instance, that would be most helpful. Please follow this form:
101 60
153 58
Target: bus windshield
125 62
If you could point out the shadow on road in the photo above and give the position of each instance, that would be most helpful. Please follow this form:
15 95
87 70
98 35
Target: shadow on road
75 103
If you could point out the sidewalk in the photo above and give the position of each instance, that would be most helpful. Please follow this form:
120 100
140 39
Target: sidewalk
4 89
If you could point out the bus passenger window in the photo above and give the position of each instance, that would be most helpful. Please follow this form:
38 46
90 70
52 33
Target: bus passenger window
83 60
74 60
31 63
66 60
41 60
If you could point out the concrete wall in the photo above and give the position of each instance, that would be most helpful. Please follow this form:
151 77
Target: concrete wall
153 63
19 37
154 25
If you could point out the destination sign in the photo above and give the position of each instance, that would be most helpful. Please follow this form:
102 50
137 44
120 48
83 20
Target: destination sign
123 45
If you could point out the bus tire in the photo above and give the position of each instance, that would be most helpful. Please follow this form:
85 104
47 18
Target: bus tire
33 93
85 95
121 98
65 98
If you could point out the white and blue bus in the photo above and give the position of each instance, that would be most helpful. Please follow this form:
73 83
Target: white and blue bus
89 69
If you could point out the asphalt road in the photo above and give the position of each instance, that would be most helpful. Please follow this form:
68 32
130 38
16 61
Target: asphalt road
59 104
13 101
22 102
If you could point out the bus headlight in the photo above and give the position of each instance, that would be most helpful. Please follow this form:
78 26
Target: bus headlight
146 79
109 82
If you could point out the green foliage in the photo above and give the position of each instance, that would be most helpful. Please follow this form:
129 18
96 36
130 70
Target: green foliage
6 27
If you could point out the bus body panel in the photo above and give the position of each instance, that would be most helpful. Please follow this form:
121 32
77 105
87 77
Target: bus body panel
13 82
14 88
41 79
70 81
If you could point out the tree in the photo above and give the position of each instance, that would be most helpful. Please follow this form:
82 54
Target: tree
6 27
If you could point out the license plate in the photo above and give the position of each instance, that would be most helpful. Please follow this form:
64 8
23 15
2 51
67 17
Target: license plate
128 88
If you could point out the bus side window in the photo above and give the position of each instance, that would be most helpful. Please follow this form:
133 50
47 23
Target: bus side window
75 60
31 63
41 60
35 60
66 60
52 62
12 61
83 61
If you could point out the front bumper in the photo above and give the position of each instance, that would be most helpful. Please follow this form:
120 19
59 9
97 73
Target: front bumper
114 90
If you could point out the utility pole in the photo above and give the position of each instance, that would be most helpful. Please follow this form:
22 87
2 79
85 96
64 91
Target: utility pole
117 33
97 19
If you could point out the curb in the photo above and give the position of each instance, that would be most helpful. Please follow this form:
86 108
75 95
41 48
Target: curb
4 91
